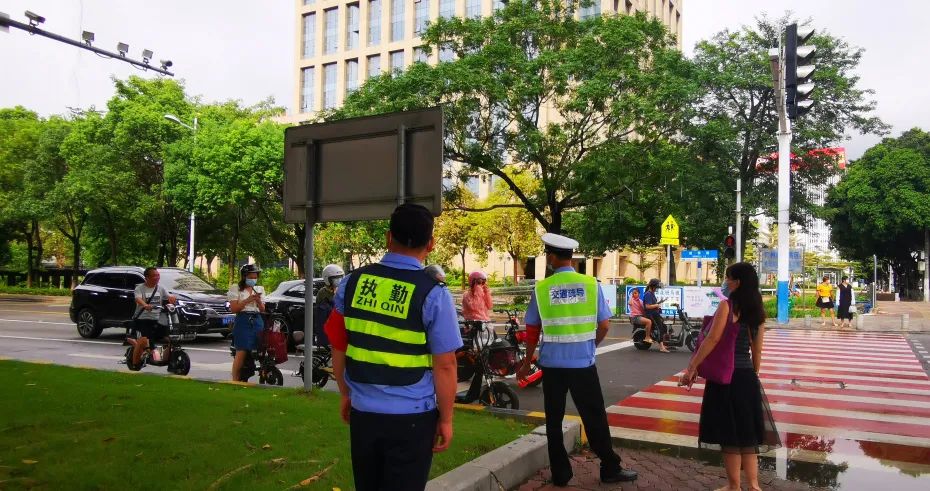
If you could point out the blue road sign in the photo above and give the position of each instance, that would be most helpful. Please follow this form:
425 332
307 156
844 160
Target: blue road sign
699 255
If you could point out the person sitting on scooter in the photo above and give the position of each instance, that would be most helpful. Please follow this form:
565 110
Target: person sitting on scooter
654 313
245 300
149 294
332 276
638 314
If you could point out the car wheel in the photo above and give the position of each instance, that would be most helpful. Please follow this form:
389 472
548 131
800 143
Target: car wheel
87 324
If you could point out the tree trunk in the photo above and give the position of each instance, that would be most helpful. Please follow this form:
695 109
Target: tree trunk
672 271
926 261
40 250
76 242
464 282
514 258
301 249
234 248
30 271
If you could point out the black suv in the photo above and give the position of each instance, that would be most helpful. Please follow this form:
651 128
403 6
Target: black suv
106 298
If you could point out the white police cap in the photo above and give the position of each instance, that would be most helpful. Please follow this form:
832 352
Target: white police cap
559 242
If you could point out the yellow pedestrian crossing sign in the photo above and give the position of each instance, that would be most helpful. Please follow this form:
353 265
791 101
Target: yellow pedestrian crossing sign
669 232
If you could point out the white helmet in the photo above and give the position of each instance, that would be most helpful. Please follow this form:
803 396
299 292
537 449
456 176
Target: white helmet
332 274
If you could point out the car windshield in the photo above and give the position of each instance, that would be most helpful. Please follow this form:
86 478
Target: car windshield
178 279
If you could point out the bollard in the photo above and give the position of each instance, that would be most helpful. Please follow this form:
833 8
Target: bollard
807 322
905 320
860 321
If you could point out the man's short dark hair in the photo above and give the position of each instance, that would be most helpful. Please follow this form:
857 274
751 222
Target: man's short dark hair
845 278
411 225
149 270
563 254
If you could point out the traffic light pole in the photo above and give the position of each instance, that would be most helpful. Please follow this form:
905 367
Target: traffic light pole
739 219
784 182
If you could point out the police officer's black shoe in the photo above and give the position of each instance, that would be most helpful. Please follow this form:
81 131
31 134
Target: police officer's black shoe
623 475
561 481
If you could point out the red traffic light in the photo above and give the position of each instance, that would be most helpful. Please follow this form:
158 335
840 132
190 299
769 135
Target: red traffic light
730 241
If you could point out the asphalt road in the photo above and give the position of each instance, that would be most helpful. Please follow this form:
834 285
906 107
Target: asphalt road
42 331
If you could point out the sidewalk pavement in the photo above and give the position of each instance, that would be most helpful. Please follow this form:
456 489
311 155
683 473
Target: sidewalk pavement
656 471
35 299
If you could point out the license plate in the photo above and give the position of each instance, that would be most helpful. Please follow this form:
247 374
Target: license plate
228 320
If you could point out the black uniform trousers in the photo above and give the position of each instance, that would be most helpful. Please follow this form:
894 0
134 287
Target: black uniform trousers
392 451
585 387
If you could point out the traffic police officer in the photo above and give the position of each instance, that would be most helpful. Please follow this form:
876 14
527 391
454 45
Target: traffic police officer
394 332
572 316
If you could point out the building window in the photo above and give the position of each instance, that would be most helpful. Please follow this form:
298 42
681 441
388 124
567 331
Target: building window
351 76
374 66
308 76
420 54
352 26
330 39
421 16
309 2
309 48
629 7
329 86
498 4
397 20
374 22
397 61
447 9
446 54
473 9
590 11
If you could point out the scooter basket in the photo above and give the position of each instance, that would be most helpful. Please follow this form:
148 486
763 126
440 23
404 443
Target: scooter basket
275 341
183 334
502 360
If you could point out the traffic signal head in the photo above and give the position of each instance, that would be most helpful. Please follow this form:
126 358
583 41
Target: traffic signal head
729 247
798 71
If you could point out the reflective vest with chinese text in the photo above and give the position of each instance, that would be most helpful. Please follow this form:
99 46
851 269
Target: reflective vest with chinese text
384 321
567 303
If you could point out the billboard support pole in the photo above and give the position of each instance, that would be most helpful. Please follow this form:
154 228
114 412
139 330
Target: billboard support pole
308 265
401 164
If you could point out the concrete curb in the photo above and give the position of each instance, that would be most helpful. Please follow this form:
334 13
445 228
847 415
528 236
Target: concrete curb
508 466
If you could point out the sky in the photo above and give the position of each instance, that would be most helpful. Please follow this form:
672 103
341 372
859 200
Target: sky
240 49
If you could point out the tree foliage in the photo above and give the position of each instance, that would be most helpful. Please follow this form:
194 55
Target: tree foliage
535 90
737 121
882 205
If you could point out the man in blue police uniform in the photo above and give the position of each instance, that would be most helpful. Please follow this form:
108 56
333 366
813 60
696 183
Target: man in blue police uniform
394 332
570 312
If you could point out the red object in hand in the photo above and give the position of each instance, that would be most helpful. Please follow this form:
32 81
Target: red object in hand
529 380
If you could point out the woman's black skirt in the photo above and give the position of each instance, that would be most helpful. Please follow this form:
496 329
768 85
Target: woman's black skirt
736 418
824 305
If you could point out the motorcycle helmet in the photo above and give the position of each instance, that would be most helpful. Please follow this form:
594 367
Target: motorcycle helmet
654 283
332 274
435 271
249 268
477 275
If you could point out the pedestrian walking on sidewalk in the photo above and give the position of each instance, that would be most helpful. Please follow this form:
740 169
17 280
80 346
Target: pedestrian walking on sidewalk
825 301
394 332
847 300
571 315
735 417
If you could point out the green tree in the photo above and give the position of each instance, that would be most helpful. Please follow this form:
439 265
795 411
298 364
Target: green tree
882 205
21 196
737 120
536 90
454 232
512 231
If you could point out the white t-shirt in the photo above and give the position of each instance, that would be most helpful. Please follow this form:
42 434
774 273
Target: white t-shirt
144 293
235 295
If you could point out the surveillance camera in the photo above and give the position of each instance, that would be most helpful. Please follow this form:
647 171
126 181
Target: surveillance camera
87 36
165 64
146 55
34 18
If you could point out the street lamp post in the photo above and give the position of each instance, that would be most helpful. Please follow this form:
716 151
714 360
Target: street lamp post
190 256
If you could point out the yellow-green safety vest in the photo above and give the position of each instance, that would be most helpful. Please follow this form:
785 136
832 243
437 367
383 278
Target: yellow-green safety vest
567 303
